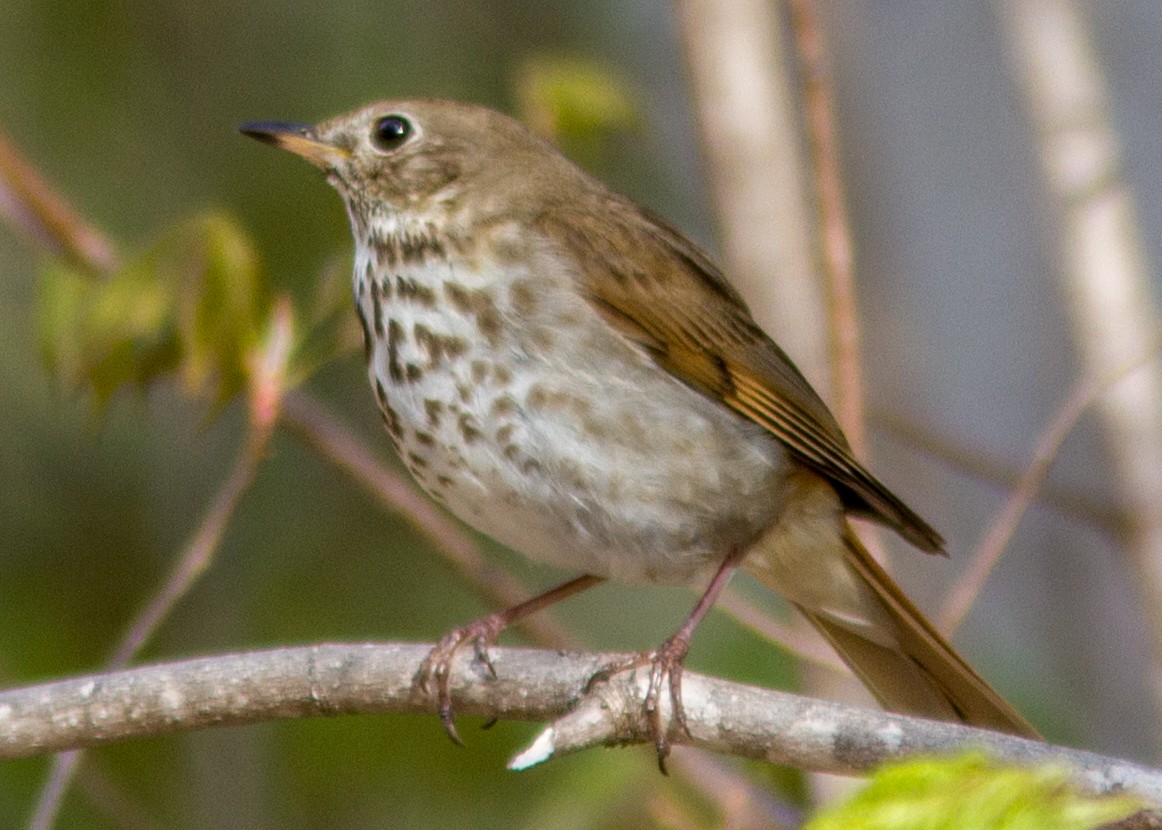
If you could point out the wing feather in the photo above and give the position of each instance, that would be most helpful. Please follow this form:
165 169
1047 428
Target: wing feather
662 292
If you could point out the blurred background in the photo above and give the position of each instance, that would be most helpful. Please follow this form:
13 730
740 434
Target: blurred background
130 109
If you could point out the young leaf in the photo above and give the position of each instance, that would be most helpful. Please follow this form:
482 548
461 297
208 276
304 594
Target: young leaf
972 792
192 305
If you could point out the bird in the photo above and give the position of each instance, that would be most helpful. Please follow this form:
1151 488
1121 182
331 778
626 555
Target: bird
569 374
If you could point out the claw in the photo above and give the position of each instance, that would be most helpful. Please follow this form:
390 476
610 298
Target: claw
435 673
449 722
665 669
481 645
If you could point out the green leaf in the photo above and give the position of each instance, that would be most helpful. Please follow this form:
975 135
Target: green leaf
573 101
192 304
221 304
972 792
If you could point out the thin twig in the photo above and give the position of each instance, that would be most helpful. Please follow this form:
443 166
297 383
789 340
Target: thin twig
747 109
1004 524
31 206
267 379
1106 279
801 642
1079 506
838 259
749 115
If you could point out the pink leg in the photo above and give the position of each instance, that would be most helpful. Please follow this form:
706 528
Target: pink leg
667 662
482 633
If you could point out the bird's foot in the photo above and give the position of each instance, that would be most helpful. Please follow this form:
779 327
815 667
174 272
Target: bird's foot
665 671
435 673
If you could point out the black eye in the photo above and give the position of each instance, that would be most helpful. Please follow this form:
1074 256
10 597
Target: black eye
390 132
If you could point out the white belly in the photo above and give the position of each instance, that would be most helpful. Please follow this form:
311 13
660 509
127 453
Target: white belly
532 421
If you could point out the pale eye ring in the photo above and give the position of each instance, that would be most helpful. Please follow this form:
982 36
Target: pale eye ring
390 132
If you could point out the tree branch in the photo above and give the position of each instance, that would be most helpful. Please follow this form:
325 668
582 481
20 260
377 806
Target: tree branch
1106 279
310 681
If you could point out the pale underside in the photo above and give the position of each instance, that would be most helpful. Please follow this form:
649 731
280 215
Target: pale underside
517 407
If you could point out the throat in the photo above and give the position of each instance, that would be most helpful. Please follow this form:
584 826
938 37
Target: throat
391 239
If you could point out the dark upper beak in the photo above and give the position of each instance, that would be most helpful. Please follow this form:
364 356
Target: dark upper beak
300 139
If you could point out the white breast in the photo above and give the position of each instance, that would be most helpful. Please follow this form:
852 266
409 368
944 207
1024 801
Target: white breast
514 404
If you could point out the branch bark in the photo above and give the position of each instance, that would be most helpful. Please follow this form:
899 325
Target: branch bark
1105 275
310 681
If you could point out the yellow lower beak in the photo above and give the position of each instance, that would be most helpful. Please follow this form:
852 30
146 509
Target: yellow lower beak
300 139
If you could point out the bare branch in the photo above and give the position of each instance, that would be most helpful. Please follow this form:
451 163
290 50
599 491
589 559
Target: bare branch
837 248
972 461
1105 276
745 102
31 206
996 539
312 681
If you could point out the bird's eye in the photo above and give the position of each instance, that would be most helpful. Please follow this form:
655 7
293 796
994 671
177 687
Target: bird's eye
390 132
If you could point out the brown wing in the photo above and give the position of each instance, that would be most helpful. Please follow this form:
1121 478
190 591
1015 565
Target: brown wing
661 291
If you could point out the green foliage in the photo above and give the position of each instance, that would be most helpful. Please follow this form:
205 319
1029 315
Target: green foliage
193 304
972 792
573 101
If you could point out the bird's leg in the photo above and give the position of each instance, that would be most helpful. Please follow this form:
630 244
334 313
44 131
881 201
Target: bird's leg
666 662
436 668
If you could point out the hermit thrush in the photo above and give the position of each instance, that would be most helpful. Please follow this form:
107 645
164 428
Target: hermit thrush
567 373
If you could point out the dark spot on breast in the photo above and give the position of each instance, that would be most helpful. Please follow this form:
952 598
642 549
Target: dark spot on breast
377 309
444 482
504 405
538 397
413 372
408 248
392 422
459 297
501 375
542 398
531 466
468 428
437 347
505 433
465 393
380 392
415 460
479 304
455 346
542 338
395 337
409 290
433 410
414 247
523 296
425 438
479 371
488 323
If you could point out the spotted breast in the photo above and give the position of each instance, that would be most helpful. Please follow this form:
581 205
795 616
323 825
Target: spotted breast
549 433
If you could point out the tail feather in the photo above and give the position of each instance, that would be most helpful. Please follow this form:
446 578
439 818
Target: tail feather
923 675
885 640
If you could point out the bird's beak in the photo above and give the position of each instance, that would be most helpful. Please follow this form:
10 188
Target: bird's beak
300 139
